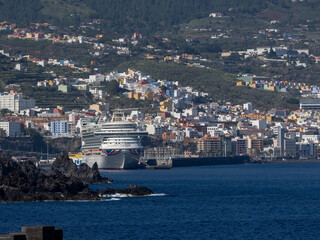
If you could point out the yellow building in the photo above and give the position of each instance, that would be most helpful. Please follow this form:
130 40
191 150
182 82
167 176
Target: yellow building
254 116
98 107
137 96
29 35
149 96
225 54
166 106
240 83
120 80
151 57
168 58
235 108
294 117
130 71
268 118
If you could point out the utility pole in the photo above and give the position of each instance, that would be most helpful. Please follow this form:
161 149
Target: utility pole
47 149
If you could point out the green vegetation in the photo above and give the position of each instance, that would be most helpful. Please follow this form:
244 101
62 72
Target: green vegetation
38 144
44 49
220 85
112 88
51 97
126 15
23 11
121 103
45 97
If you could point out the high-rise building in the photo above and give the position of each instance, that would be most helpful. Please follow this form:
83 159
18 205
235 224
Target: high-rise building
15 102
255 143
240 146
209 146
290 148
280 140
12 129
59 128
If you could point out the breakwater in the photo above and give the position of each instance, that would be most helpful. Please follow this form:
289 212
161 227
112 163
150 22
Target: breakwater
209 161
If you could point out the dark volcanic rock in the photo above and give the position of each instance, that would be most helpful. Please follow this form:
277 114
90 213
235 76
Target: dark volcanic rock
132 190
66 166
7 166
23 181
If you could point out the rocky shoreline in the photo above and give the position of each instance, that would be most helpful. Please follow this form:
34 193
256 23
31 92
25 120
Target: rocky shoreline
24 182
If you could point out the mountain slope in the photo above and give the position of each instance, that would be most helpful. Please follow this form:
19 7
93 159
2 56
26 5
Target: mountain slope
146 16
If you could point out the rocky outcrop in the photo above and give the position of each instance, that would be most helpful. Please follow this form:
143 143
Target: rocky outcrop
132 190
25 182
66 166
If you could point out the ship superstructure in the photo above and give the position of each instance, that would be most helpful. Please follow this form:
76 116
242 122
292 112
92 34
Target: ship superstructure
113 145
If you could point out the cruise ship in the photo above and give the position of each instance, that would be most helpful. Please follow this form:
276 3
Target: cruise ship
112 145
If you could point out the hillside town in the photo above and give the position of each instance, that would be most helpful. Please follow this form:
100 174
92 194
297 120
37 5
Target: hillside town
181 117
203 129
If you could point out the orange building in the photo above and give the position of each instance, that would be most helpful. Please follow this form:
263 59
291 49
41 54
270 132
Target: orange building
169 136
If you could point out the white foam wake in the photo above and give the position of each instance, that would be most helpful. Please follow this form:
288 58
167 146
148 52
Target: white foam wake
157 195
119 195
112 199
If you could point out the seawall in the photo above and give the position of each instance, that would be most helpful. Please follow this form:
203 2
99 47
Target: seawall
209 161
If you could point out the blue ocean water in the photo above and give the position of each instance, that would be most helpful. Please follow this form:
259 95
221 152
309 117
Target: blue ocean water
270 201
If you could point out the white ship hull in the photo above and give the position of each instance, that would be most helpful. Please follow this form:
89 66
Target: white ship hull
125 159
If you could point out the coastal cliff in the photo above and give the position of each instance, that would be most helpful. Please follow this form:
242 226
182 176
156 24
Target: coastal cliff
23 181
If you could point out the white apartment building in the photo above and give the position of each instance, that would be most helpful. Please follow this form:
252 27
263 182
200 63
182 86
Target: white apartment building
97 93
248 107
308 138
15 102
12 129
260 124
155 130
95 78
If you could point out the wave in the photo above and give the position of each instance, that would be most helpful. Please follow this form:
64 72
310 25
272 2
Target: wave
112 199
158 195
119 195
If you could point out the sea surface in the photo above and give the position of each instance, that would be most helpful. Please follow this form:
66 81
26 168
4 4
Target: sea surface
258 201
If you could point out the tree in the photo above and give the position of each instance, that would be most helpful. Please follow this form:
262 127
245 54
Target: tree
112 88
163 88
36 139
5 111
